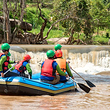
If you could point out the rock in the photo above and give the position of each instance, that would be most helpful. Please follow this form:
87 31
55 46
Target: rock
104 73
44 42
109 42
62 40
24 25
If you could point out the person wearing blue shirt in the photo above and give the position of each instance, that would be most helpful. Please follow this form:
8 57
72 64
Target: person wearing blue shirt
48 69
23 65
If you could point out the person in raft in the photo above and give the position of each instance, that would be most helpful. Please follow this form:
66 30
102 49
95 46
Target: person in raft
57 47
48 69
5 61
9 65
22 66
63 65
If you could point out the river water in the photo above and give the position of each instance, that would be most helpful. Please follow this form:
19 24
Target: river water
91 62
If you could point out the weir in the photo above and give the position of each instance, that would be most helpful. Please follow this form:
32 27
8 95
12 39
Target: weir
80 56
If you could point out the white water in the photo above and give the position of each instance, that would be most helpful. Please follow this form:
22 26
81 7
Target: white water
87 63
84 60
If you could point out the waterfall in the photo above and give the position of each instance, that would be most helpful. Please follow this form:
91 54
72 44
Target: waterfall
82 58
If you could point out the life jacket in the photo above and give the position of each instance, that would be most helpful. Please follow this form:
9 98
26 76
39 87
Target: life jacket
47 69
20 67
5 64
62 64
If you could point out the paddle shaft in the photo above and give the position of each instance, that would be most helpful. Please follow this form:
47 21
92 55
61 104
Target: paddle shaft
10 68
90 84
78 74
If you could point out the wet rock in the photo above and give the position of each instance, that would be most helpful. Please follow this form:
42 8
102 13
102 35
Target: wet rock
104 73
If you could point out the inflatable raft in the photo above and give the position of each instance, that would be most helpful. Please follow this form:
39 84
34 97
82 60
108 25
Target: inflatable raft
17 85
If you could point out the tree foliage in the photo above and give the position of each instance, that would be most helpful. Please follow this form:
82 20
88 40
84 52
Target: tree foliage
73 16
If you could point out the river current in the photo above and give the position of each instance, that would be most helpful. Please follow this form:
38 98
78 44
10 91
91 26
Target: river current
91 62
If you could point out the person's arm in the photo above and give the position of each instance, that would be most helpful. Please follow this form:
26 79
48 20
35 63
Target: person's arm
9 66
29 69
60 71
69 71
42 64
2 60
11 62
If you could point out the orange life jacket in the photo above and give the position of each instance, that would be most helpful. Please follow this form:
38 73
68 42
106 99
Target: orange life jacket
5 64
62 64
47 69
20 67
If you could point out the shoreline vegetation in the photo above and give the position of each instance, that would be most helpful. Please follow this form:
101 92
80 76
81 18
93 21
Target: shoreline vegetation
68 22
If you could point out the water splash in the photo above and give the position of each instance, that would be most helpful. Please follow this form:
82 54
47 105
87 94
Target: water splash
87 63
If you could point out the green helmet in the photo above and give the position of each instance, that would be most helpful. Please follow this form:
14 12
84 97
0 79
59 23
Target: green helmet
5 46
57 47
9 54
50 53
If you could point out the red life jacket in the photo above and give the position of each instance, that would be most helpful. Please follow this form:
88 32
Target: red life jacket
5 64
47 69
20 67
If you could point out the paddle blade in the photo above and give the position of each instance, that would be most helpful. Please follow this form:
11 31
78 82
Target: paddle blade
90 84
83 87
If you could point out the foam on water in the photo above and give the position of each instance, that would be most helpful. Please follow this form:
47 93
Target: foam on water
92 62
90 68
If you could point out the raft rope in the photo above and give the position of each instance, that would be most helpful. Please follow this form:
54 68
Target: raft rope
62 84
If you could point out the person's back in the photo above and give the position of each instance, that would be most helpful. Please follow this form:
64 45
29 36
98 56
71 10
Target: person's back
63 65
48 69
23 65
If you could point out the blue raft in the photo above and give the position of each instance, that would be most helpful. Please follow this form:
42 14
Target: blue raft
17 85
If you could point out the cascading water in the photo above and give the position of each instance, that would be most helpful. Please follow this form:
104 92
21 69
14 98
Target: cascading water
91 63
88 59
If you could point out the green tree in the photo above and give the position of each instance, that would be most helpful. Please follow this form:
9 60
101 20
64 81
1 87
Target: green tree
79 18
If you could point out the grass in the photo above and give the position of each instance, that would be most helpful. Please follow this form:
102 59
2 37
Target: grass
53 33
101 39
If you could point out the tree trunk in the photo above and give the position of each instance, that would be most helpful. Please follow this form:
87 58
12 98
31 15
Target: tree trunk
71 37
22 3
7 28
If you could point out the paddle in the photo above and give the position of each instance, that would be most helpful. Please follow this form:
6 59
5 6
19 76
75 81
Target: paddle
83 87
90 84
10 68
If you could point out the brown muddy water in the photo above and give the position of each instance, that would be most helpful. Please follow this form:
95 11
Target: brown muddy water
97 99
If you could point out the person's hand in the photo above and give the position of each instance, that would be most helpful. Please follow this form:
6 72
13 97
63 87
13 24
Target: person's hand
72 77
2 74
67 75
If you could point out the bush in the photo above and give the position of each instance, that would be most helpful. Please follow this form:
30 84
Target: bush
101 39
